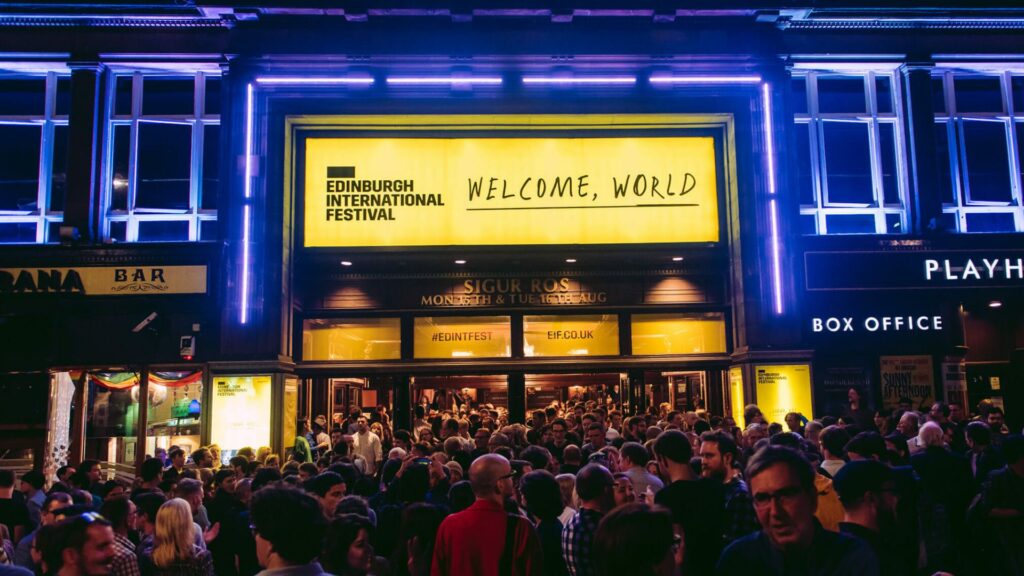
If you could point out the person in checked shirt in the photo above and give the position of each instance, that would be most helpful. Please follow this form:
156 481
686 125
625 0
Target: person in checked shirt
595 486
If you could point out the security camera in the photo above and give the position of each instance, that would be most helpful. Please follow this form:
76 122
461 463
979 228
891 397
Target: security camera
145 322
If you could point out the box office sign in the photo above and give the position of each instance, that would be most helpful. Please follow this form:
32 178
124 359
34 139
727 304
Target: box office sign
413 191
910 377
902 270
104 280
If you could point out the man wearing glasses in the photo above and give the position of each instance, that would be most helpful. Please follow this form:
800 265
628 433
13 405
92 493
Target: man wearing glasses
55 502
791 540
484 537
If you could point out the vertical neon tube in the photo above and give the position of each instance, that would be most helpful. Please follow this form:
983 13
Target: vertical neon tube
776 265
243 315
769 137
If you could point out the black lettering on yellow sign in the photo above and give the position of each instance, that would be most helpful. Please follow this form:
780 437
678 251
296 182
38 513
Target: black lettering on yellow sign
648 189
460 336
41 282
570 334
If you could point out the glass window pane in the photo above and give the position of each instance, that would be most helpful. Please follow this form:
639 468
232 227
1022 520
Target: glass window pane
212 96
19 167
894 224
112 419
163 96
949 222
174 411
22 96
17 232
990 222
850 223
883 91
848 163
890 170
119 179
63 103
208 230
799 95
53 232
164 164
352 339
123 96
161 231
988 165
1017 83
1020 150
942 160
837 94
938 95
119 231
803 165
211 167
978 94
808 224
59 170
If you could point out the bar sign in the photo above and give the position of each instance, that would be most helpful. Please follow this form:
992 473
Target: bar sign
341 171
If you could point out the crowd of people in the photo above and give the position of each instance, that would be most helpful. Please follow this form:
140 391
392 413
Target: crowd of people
580 489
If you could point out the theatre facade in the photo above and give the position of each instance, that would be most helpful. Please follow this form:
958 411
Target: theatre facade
216 220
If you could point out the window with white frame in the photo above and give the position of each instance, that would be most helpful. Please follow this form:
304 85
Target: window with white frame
163 157
33 156
979 119
850 158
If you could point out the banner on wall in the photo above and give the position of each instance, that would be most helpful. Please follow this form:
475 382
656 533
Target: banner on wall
783 388
240 412
907 377
736 395
542 190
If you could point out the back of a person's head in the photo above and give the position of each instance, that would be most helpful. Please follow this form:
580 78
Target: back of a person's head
542 494
834 439
265 476
151 469
930 435
175 533
148 504
460 496
290 520
81 498
1013 448
34 478
538 456
860 477
979 433
116 511
238 461
7 478
633 539
867 445
674 446
572 454
591 482
188 487
771 456
47 541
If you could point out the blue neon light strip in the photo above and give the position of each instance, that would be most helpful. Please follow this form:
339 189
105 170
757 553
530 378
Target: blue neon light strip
753 79
568 80
769 137
443 80
333 81
243 315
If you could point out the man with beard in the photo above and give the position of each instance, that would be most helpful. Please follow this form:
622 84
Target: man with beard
718 453
867 490
87 546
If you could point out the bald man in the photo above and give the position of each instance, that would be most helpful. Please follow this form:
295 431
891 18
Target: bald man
473 542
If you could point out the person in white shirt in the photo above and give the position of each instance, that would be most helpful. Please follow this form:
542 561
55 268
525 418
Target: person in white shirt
366 445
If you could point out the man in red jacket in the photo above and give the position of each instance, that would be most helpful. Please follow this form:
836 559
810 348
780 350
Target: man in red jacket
473 542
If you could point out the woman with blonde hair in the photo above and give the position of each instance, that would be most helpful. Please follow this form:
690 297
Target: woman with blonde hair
174 551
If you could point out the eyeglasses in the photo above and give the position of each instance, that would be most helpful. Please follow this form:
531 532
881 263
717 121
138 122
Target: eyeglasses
677 542
785 496
513 475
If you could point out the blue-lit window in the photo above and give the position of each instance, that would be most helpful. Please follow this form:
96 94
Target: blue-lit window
163 151
33 156
850 159
979 123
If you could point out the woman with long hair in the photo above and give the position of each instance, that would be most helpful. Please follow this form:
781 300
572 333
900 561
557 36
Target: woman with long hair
347 549
174 550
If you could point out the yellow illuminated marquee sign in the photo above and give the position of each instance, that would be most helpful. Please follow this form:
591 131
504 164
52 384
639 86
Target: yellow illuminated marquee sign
654 334
462 337
592 335
352 339
412 191
104 280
